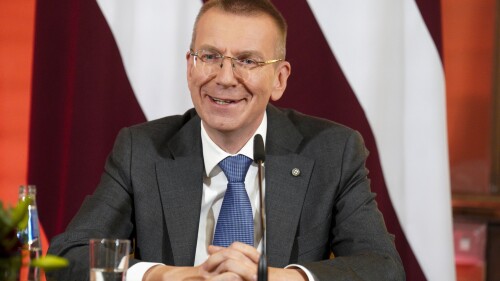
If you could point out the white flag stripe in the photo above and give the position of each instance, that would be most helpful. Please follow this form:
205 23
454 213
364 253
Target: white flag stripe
153 37
393 67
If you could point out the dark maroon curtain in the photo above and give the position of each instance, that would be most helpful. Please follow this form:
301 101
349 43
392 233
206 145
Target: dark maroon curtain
81 98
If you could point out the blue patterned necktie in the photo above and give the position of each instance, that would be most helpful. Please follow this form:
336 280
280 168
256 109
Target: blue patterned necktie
235 222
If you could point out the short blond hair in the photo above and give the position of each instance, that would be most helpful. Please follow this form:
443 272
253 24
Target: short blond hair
249 8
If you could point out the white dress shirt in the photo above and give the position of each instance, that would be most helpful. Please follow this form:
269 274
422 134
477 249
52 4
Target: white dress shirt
214 188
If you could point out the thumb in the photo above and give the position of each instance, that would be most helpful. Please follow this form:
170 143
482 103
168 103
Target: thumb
212 249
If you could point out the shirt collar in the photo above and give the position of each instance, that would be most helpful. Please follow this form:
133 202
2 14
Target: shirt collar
213 154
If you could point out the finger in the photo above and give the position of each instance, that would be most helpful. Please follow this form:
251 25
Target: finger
247 250
215 262
247 271
212 249
227 276
194 278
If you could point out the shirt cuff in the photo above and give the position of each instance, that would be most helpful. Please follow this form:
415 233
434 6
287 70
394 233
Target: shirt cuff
309 274
137 271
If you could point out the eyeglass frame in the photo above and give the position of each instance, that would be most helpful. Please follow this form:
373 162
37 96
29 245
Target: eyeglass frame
234 60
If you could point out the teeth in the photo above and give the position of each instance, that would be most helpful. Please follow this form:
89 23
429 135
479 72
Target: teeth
219 101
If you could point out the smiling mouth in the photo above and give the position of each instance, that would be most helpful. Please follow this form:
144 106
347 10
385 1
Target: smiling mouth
222 102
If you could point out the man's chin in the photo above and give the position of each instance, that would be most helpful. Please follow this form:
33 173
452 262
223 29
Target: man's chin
221 125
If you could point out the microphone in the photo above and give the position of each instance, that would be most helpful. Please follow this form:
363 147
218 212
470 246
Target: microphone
259 156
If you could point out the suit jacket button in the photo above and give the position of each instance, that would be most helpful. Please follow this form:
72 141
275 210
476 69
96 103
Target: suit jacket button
295 172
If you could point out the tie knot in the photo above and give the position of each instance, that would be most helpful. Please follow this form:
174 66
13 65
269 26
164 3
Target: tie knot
235 167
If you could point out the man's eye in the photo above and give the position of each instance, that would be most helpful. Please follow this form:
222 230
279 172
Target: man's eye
247 62
209 57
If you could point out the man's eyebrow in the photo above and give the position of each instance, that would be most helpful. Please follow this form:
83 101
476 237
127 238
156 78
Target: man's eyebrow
250 53
245 53
209 48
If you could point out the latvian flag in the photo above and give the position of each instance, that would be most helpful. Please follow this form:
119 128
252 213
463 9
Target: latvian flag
372 65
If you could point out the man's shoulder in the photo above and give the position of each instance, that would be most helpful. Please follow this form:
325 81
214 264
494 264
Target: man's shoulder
165 125
318 138
309 125
157 134
163 137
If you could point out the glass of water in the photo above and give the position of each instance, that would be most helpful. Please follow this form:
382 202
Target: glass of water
108 259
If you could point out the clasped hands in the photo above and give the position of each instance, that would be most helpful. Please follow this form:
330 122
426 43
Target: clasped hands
237 262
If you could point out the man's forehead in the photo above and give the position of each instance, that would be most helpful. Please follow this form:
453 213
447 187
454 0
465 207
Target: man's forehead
245 33
218 13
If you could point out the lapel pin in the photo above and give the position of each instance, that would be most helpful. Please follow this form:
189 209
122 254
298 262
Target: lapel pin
295 172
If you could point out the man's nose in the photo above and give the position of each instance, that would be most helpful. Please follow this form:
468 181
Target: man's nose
226 75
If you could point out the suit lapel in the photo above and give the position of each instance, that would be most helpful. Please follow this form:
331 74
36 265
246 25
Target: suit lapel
285 192
180 181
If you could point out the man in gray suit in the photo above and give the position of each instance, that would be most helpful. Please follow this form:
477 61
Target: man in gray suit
163 188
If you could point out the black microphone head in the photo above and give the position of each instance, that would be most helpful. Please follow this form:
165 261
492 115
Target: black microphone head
259 153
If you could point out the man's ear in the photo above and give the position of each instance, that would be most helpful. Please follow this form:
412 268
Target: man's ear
189 65
283 71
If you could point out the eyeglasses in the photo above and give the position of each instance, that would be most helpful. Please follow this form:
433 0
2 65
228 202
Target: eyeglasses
212 62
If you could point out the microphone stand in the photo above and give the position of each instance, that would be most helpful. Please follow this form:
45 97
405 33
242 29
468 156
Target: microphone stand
259 158
262 270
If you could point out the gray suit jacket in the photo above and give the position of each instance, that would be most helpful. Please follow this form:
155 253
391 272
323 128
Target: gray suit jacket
151 192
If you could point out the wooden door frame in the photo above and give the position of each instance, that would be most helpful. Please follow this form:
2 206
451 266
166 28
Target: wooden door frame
495 130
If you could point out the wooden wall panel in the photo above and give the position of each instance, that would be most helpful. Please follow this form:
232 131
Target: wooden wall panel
16 51
468 30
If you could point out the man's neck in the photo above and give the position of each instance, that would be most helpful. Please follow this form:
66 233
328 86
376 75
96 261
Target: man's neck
233 141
